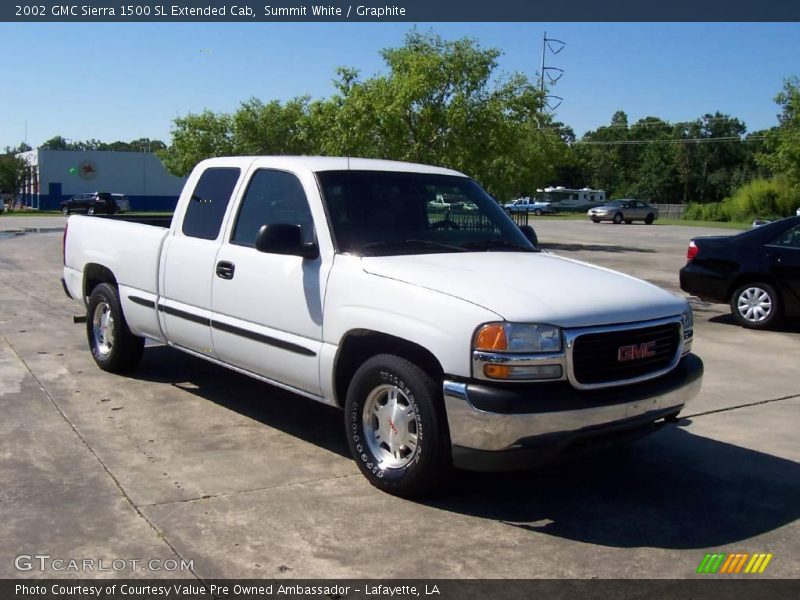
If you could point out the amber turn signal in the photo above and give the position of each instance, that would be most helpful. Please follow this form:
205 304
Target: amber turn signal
491 337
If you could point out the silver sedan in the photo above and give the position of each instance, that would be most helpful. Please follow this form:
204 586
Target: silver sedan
628 211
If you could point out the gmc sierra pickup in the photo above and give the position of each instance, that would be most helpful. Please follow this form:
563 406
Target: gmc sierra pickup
446 339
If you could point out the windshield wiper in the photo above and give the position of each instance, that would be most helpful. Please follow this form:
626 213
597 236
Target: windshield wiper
497 244
400 243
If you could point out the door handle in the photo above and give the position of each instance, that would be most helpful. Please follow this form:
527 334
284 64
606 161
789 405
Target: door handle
225 269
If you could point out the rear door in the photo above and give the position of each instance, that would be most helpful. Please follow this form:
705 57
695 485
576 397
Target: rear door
783 256
188 262
268 308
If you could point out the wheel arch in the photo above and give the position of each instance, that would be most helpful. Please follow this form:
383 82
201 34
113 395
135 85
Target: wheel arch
93 275
357 345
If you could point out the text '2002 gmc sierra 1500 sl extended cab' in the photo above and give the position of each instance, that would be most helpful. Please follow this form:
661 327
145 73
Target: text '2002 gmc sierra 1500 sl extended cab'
446 338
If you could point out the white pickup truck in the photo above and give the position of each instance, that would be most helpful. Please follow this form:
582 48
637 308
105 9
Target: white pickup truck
445 342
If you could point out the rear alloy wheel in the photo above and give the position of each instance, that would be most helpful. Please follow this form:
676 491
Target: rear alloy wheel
90 211
755 305
648 220
396 426
617 218
114 348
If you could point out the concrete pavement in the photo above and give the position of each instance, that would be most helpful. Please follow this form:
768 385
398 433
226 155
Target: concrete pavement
186 461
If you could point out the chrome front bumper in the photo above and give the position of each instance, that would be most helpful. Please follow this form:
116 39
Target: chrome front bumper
497 418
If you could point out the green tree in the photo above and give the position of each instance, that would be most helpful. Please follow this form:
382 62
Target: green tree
782 151
441 102
11 166
195 138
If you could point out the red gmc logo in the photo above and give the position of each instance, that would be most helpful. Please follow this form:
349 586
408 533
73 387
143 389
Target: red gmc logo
636 351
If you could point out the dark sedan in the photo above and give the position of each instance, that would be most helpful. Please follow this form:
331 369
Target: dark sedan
93 203
757 272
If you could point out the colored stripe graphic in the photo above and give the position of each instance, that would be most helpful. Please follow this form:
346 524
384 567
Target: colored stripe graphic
720 562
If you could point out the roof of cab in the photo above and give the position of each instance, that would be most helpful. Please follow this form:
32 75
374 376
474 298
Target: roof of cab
330 163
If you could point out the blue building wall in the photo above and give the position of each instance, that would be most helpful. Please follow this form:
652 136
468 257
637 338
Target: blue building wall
61 174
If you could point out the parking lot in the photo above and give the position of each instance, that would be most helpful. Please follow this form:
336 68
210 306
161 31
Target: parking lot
187 461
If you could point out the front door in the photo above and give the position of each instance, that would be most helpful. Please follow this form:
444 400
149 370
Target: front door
268 307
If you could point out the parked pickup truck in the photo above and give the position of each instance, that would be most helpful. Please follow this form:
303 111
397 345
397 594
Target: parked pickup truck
444 343
529 205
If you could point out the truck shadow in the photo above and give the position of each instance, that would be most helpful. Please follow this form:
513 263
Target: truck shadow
787 325
559 247
296 415
673 490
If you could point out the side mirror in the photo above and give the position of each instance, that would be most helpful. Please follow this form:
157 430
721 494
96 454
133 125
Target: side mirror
282 238
529 234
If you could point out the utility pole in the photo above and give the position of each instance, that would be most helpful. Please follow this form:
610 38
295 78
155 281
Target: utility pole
553 74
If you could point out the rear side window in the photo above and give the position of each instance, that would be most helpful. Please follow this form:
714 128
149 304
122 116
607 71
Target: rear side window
209 200
272 197
788 239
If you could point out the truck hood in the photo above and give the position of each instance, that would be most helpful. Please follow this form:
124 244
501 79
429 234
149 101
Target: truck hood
533 287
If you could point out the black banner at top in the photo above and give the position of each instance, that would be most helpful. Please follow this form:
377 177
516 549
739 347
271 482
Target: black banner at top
169 11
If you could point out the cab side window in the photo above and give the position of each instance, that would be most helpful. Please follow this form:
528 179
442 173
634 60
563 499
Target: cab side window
209 200
272 197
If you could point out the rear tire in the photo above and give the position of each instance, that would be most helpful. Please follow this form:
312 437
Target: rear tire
113 346
396 426
755 305
617 218
648 220
90 211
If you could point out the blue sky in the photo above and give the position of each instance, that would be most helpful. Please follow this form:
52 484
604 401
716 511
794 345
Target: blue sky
123 81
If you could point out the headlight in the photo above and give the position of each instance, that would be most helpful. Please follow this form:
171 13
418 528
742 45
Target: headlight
518 338
688 319
688 330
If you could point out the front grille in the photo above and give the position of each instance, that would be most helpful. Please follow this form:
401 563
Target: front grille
595 356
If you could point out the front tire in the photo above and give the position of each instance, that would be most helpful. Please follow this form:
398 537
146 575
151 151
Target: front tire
90 211
65 211
396 426
113 346
617 218
755 305
648 220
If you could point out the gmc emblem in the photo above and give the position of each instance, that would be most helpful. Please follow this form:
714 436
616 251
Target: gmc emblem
636 351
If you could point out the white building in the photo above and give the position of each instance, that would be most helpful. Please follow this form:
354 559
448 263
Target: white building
56 175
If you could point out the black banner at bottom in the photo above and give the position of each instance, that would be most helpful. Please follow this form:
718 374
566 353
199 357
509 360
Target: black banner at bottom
718 588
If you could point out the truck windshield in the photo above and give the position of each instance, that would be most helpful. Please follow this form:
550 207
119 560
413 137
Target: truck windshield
391 213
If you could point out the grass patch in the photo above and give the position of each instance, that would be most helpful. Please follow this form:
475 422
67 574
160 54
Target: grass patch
713 224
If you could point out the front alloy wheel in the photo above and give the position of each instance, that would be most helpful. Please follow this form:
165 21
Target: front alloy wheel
755 305
390 425
396 426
